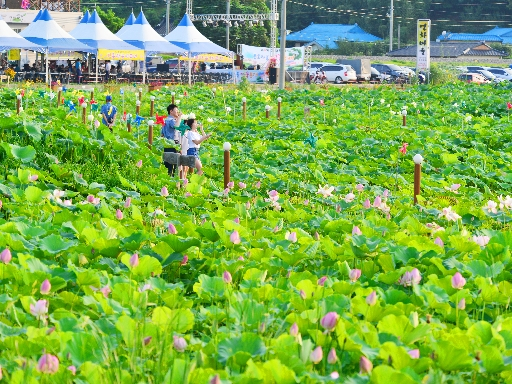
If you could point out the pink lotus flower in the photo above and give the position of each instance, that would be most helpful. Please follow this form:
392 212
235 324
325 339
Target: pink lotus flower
403 150
235 237
33 177
39 309
331 357
188 194
354 275
360 187
377 202
449 214
128 202
216 378
226 191
321 281
481 240
97 124
72 369
453 188
68 203
231 184
294 329
316 355
291 236
185 260
119 214
134 260
367 204
410 278
365 365
105 291
316 236
1 204
90 198
356 231
45 287
306 202
242 185
164 192
258 185
334 375
48 364
458 281
172 229
325 191
439 242
302 294
491 207
509 105
349 197
147 340
414 353
226 276
329 321
273 195
179 343
139 164
461 304
385 193
185 182
371 299
6 256
241 258
236 220
322 103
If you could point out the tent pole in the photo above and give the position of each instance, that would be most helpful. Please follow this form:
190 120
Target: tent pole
189 68
96 81
233 67
46 60
144 71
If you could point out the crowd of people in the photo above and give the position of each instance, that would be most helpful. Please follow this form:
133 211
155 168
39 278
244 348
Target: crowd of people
181 135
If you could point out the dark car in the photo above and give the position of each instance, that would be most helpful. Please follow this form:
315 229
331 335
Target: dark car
390 69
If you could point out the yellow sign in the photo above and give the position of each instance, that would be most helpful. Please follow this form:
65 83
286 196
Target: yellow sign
114 54
14 54
209 58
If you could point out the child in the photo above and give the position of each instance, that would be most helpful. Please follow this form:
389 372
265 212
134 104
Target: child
194 142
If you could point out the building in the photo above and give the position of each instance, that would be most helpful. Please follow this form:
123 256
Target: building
19 19
450 49
325 36
495 35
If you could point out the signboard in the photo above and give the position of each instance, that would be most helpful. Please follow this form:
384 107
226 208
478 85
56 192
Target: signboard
208 58
64 55
423 47
261 56
14 55
113 54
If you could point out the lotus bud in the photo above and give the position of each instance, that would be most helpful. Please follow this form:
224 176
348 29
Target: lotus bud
367 204
72 369
5 256
302 294
439 242
321 281
185 260
48 364
172 229
365 365
128 202
215 380
179 344
294 329
147 340
462 304
119 214
414 353
164 192
331 357
371 299
106 291
226 276
316 236
235 237
354 275
356 231
329 321
45 287
458 281
134 260
292 237
316 355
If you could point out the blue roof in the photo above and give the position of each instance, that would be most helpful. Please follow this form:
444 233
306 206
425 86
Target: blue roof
326 35
504 33
470 37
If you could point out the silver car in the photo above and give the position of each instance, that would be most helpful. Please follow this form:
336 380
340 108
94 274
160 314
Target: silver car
339 73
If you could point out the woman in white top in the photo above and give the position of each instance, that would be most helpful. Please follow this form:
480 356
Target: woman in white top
194 142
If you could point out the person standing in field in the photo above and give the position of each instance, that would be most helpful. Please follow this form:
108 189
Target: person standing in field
108 113
170 132
194 142
108 67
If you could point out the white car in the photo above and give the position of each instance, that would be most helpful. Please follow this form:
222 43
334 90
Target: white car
339 73
501 73
313 67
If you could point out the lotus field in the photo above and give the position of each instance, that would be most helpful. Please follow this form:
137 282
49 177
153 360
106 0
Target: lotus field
314 265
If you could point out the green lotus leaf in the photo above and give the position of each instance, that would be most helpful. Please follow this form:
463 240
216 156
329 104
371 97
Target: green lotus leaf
249 345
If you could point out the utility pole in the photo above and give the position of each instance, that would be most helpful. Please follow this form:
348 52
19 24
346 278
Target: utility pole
167 17
227 24
391 27
282 58
398 35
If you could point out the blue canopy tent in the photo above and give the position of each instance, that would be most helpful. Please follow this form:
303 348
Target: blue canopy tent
44 31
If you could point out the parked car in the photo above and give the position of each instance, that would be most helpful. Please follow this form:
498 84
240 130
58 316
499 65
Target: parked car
489 76
502 73
361 66
473 77
338 73
313 67
474 68
409 72
173 63
377 76
390 69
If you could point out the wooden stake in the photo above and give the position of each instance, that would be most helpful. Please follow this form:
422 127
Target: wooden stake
227 163
84 112
150 136
417 181
18 104
279 109
59 94
152 108
404 120
244 109
129 126
92 94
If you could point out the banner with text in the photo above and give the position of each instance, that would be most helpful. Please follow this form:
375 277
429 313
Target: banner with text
208 58
261 56
111 54
423 47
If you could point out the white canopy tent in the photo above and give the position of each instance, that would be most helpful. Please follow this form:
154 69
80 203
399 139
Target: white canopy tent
186 36
44 31
140 34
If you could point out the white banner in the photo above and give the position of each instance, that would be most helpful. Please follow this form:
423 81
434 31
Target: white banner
261 56
423 47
